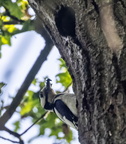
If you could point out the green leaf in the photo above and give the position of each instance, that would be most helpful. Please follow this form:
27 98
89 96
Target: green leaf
1 85
30 94
6 39
27 108
16 126
64 78
28 103
28 25
13 8
34 82
62 63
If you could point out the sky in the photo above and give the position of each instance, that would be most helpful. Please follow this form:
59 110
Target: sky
18 59
15 64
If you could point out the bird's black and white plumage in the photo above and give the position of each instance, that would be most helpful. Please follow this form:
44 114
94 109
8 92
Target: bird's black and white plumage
63 104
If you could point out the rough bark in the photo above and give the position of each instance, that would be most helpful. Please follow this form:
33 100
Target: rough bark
90 36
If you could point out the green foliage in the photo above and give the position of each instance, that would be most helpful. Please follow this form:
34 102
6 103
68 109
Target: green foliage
64 77
13 8
17 126
28 103
1 85
14 19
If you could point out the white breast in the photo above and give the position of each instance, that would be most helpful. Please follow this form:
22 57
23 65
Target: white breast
42 100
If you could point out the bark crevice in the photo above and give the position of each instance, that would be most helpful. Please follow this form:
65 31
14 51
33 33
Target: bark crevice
94 48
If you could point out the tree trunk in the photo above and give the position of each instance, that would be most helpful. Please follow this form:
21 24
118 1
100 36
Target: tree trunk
90 36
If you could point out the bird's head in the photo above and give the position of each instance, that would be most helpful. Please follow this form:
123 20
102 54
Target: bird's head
47 94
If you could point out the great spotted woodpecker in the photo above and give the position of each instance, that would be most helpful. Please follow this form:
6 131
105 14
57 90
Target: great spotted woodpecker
63 104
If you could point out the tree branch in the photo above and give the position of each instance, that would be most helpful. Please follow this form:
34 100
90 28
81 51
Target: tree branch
9 140
34 123
16 101
12 17
19 135
14 134
11 22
